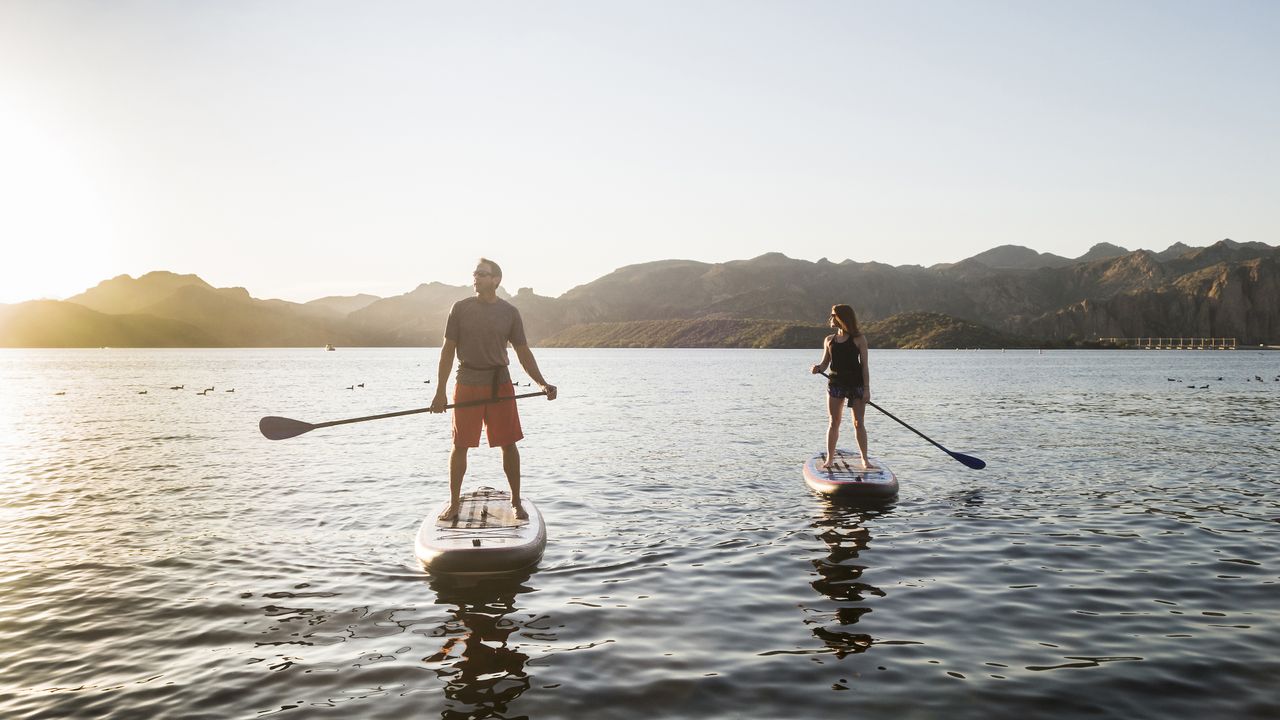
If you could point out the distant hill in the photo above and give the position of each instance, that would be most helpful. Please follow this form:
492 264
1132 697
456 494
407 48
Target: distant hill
698 333
234 319
1102 251
1018 257
908 330
54 324
1175 250
123 294
343 304
1226 289
1239 299
927 331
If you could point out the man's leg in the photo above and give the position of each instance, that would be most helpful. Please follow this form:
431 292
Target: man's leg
511 465
457 470
466 434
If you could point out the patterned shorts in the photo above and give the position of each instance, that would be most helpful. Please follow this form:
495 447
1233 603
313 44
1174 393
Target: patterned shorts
851 393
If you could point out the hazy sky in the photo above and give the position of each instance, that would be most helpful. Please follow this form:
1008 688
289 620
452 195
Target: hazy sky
310 148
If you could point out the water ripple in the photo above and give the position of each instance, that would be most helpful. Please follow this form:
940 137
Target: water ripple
1117 558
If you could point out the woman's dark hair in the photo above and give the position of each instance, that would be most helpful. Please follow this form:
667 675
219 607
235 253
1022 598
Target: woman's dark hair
846 319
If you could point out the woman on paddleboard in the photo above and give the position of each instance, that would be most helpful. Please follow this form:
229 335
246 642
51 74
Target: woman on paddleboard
845 353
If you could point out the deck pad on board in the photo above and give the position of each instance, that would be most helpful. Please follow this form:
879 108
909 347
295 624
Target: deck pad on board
484 508
848 477
485 537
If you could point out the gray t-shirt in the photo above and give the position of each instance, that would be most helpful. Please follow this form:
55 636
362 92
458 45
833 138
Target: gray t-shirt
481 331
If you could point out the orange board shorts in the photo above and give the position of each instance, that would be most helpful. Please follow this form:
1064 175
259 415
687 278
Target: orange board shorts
501 420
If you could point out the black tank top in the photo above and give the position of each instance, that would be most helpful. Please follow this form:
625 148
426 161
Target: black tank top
846 364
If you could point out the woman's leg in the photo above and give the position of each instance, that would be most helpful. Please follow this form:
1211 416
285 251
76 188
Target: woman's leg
835 409
860 428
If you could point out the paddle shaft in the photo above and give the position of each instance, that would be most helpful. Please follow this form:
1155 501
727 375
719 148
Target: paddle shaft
967 460
400 413
895 417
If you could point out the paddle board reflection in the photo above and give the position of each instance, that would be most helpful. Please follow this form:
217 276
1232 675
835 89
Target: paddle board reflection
479 658
843 527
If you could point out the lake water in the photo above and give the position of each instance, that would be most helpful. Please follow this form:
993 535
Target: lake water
1119 556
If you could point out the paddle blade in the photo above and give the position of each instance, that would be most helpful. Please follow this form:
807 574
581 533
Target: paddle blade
968 460
282 428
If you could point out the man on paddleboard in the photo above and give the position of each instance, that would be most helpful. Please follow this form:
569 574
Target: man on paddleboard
477 332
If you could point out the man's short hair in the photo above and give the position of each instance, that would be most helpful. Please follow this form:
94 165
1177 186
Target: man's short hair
497 271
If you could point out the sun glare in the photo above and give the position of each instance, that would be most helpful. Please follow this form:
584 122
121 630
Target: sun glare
55 229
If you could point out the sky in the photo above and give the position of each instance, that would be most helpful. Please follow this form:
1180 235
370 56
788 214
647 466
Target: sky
305 148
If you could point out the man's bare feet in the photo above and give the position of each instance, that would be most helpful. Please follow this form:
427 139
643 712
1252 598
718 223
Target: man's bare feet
450 513
519 511
866 465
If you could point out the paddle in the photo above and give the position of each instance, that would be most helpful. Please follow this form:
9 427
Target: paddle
966 460
282 428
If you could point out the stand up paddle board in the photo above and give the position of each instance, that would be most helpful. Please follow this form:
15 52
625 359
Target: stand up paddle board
846 478
485 538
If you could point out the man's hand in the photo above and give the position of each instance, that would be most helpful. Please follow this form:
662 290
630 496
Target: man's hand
438 403
550 390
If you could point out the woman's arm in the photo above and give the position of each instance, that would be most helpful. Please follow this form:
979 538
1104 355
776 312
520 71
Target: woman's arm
866 370
826 357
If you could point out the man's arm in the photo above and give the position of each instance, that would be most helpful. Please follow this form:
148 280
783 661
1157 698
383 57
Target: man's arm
447 353
525 355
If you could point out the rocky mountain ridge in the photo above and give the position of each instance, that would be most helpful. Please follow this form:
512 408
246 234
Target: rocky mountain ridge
1005 296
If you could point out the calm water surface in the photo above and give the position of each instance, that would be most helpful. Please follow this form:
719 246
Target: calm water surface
1119 556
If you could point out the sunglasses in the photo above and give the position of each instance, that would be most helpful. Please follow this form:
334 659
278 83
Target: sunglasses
481 273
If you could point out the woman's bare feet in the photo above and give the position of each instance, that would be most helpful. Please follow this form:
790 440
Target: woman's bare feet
450 513
519 511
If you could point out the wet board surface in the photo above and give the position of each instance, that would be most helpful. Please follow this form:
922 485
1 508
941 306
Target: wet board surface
486 537
847 477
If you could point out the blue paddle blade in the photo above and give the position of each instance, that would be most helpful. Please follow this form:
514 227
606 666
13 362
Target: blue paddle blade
968 460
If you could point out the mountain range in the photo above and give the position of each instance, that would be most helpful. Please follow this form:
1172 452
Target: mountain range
1008 296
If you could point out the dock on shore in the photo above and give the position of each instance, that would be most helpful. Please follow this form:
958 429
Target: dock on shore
1171 343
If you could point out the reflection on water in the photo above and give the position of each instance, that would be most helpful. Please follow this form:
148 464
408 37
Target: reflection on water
1117 558
482 669
843 527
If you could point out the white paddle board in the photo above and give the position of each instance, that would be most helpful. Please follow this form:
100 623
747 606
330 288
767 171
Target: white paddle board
485 538
847 478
